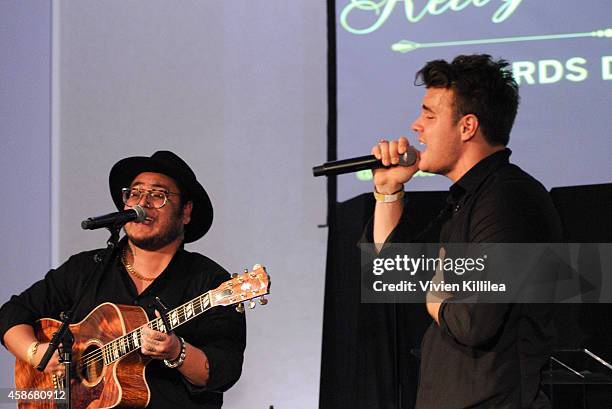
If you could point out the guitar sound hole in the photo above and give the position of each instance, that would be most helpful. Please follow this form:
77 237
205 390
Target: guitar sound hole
92 364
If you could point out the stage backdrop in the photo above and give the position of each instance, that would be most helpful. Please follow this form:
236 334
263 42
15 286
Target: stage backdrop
560 55
237 88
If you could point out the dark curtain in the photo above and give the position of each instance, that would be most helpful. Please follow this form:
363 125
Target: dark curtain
586 215
369 351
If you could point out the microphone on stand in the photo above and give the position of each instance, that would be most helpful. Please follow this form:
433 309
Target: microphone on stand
135 214
351 165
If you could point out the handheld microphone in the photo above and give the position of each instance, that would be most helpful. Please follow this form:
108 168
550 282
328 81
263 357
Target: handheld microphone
339 167
135 214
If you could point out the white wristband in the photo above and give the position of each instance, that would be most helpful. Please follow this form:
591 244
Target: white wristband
395 196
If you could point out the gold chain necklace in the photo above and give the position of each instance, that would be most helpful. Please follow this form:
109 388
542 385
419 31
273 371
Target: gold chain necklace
130 268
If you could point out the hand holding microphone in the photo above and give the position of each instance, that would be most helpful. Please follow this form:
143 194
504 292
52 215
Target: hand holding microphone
390 179
338 167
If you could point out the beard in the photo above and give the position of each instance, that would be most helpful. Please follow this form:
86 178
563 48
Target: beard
174 230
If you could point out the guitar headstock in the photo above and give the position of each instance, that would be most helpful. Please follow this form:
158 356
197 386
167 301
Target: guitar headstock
243 287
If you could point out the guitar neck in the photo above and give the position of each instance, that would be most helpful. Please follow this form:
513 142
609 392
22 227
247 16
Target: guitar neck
129 342
240 288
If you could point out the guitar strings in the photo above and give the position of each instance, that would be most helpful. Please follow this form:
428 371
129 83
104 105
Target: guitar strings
105 350
96 356
156 324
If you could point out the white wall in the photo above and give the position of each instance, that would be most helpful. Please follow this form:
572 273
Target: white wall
25 62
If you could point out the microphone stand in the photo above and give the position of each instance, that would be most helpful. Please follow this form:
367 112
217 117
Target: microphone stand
63 335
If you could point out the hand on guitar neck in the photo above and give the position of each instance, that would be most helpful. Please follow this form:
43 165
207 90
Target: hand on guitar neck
158 345
168 347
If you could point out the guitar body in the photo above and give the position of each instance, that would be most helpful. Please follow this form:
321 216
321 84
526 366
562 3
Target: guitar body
94 385
108 368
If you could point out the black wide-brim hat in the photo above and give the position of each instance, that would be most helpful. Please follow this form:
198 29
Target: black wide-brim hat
169 164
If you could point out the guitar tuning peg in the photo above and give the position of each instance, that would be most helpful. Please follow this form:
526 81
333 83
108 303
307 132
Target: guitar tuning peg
234 275
256 266
251 304
263 300
240 308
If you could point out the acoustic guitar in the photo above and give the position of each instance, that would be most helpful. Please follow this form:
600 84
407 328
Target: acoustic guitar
109 369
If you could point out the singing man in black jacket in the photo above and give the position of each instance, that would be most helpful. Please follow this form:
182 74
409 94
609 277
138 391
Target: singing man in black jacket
473 355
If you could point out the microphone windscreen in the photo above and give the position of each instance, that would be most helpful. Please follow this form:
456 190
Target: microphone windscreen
141 214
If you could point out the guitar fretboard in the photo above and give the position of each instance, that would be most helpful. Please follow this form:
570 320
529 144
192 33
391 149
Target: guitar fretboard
239 289
129 342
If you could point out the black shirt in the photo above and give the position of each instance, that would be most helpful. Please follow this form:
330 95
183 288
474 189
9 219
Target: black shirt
219 332
487 355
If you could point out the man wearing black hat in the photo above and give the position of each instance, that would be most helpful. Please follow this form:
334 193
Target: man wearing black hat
191 366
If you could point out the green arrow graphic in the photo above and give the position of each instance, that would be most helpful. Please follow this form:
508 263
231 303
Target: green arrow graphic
405 46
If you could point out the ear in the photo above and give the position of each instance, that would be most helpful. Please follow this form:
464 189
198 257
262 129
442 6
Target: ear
187 209
468 125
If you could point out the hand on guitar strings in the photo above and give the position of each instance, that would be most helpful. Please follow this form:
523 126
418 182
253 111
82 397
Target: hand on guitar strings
54 366
159 345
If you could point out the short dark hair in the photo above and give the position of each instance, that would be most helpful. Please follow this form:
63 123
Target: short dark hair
482 87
